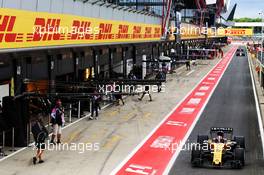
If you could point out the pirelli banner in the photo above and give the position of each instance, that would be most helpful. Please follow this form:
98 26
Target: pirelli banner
20 29
190 31
235 32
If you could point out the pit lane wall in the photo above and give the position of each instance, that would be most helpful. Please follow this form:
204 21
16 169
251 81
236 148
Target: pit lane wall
257 77
26 29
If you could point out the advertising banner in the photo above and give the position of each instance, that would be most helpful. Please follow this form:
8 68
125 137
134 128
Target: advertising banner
21 29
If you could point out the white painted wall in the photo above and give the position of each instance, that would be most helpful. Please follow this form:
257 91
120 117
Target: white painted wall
4 91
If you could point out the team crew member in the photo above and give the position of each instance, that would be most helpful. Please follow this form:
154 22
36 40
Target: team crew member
40 133
159 76
119 98
188 64
132 88
57 120
146 91
1 108
95 106
221 53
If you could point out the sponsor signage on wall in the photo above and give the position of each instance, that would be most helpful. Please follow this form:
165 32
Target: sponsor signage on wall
20 29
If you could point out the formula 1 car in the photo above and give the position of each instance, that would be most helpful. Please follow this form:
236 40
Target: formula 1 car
220 150
240 53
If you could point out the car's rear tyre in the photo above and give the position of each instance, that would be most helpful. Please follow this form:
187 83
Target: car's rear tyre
202 138
239 158
240 140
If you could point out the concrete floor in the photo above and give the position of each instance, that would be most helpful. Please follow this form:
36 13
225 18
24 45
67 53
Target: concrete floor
117 132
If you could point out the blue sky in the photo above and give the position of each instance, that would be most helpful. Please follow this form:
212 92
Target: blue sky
247 8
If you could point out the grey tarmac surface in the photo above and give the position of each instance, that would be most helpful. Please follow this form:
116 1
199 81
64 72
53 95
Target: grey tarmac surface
231 105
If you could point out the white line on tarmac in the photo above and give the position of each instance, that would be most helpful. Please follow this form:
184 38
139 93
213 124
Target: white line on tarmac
189 73
181 67
179 73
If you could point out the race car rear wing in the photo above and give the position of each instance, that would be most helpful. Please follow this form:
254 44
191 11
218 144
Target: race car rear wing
224 129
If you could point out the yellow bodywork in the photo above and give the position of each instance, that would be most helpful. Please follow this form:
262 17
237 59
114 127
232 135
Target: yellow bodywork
218 150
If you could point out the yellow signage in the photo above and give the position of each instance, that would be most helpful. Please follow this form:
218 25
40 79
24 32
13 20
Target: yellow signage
20 29
189 31
235 32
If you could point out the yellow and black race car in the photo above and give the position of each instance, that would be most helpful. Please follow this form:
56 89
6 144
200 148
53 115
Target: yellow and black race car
220 150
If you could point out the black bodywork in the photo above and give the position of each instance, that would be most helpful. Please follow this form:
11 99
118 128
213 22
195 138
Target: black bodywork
240 52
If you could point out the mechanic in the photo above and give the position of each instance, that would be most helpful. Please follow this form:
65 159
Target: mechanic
57 121
221 53
95 105
40 134
146 91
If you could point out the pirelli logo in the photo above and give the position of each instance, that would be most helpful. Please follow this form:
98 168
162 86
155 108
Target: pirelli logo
235 32
238 32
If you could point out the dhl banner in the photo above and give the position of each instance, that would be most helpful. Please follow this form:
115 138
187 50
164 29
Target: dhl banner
20 29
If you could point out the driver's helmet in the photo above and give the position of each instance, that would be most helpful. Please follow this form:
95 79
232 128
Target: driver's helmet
220 137
220 133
